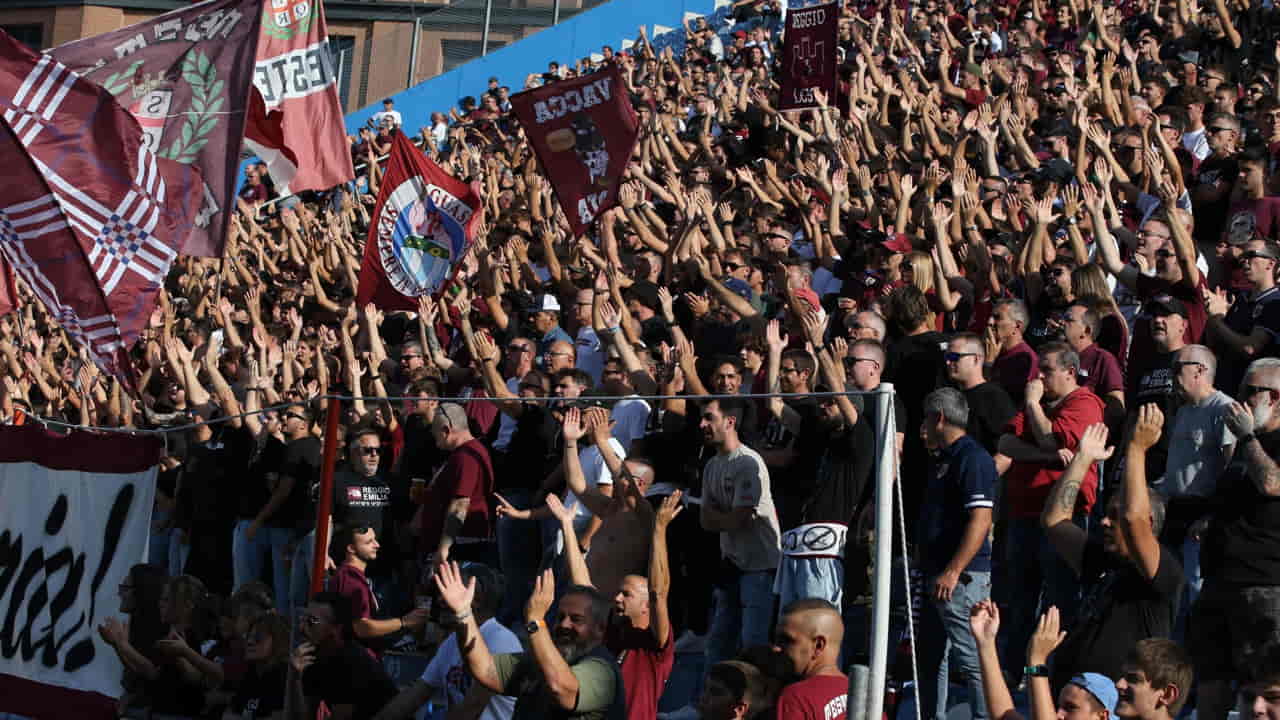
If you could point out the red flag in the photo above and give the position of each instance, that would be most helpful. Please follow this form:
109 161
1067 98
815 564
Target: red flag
91 218
421 228
583 131
185 75
8 292
809 56
295 120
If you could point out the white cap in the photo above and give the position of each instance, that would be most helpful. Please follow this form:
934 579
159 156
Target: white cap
547 302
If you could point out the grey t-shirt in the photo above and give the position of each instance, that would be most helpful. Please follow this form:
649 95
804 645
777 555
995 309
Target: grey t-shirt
1196 441
739 479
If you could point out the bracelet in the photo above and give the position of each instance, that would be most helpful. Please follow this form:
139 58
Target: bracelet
460 617
819 348
612 330
970 227
1036 671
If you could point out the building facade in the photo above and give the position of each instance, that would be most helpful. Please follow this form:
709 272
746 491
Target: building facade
372 40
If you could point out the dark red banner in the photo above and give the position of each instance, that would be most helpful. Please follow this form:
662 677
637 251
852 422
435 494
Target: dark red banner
421 228
809 56
583 131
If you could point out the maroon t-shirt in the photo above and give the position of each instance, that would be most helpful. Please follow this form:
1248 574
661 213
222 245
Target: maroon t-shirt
1028 484
1100 371
821 697
351 582
1014 369
645 668
467 473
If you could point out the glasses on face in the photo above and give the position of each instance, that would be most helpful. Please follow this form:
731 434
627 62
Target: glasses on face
1215 129
732 267
370 450
1057 272
850 362
1163 253
520 349
406 358
788 370
1248 391
1178 365
559 354
294 416
1148 234
953 357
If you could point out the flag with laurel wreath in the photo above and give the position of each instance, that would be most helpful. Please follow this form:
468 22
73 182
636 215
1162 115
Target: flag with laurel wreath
185 75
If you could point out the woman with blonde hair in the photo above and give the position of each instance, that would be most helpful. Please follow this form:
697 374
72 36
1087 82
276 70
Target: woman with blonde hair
919 269
1089 284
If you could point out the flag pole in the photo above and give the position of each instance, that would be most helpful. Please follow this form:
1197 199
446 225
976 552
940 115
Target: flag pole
324 504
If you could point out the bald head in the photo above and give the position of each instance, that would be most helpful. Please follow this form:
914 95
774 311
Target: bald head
809 635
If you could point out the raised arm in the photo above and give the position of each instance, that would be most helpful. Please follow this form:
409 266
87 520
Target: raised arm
1135 522
1059 509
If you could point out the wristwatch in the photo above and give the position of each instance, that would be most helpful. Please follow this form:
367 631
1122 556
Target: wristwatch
1036 671
533 626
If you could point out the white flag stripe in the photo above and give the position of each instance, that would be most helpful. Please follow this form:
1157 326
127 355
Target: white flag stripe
38 217
57 99
40 67
49 79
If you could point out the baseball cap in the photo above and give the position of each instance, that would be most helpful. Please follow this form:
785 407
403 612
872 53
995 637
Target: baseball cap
809 296
740 34
1100 687
739 287
546 302
899 243
1162 305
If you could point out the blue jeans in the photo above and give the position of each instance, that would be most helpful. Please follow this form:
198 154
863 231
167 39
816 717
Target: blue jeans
300 571
944 638
1039 578
1190 593
809 577
520 554
743 616
249 558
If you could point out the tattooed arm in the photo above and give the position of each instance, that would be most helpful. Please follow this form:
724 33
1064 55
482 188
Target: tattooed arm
1067 537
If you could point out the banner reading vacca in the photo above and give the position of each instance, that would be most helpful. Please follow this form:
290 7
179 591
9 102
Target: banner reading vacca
75 515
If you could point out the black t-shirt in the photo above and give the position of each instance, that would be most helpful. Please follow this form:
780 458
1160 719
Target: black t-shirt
533 452
352 677
261 480
794 484
843 473
990 409
1211 217
261 692
1153 383
916 363
302 464
1120 607
1247 313
361 501
1242 545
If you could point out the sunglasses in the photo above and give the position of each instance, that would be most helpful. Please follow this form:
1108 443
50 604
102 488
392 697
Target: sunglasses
370 450
732 266
1177 366
1249 391
1214 130
294 416
310 620
956 356
1246 257
408 357
520 348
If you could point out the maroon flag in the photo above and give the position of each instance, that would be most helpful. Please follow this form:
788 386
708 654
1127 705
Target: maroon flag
295 120
90 218
809 56
421 228
583 131
8 293
185 75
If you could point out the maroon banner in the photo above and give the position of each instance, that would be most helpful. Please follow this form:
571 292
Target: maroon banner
421 229
583 131
809 56
91 217
295 120
185 75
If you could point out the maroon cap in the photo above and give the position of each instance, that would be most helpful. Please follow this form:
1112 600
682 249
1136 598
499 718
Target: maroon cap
899 243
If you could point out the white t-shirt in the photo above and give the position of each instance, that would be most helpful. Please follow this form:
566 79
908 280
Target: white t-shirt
597 473
507 424
631 415
382 115
591 353
447 671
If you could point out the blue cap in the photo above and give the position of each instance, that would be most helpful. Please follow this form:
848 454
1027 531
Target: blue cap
739 287
1100 687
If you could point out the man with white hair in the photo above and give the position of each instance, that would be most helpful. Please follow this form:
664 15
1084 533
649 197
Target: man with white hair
1200 447
1240 558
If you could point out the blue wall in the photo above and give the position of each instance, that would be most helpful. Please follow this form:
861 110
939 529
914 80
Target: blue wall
567 42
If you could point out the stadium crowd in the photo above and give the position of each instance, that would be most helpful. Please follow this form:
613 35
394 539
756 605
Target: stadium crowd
1054 229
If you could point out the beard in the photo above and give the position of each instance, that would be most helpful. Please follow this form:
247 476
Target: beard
569 647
